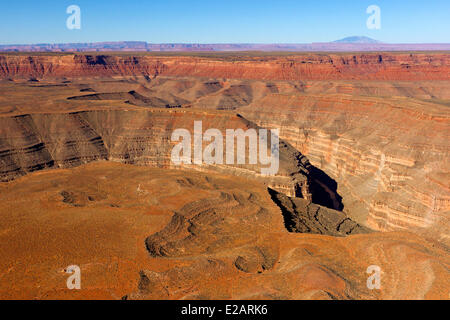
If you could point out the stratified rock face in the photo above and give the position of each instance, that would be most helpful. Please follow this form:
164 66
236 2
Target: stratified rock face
76 66
389 157
385 66
141 137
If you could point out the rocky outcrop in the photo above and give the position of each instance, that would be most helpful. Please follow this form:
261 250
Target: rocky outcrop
302 216
234 245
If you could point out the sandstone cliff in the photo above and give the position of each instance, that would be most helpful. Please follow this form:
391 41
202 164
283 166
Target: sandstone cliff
384 66
389 157
142 137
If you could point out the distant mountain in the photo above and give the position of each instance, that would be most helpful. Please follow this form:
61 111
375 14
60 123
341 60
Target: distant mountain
344 45
357 39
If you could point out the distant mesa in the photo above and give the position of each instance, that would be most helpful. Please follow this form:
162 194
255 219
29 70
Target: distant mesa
348 44
357 39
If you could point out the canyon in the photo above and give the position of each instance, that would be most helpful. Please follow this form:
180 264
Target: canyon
317 66
210 237
364 174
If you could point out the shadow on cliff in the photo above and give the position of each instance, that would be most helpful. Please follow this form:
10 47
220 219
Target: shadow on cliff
324 189
302 216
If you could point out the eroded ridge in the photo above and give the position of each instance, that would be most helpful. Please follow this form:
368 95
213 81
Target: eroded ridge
108 210
234 245
204 226
302 216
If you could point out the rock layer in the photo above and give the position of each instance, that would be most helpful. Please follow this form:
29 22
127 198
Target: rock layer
389 158
141 137
384 66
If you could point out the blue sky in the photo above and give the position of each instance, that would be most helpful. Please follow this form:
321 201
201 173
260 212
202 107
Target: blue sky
224 21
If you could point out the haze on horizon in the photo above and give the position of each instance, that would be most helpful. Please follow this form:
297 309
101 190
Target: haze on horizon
201 21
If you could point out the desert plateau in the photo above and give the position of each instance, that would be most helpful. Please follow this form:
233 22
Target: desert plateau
363 179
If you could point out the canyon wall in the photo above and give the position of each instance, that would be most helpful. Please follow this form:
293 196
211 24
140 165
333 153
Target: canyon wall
389 157
142 137
370 66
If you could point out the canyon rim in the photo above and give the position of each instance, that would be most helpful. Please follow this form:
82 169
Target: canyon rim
88 178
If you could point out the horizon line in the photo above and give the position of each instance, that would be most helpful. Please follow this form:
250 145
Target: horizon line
334 42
